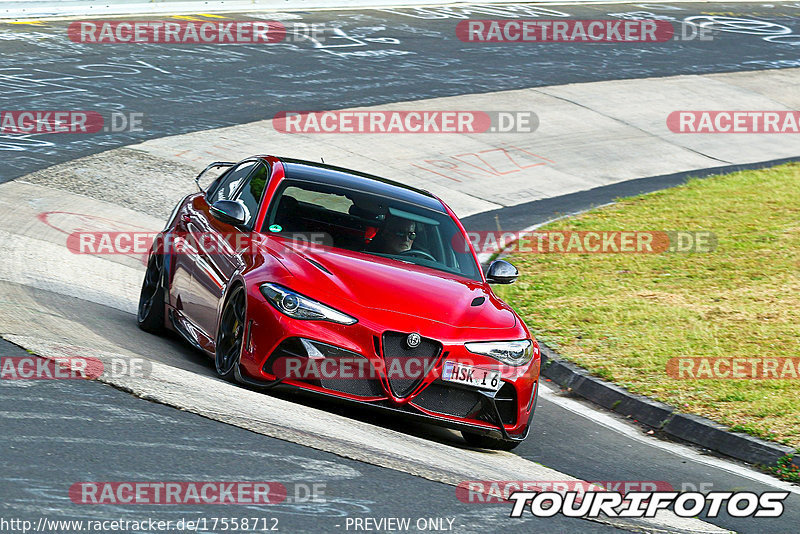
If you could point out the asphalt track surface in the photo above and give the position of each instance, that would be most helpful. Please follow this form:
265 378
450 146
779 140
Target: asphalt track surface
115 436
56 433
374 57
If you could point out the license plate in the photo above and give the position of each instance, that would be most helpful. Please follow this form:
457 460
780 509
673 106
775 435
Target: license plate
471 376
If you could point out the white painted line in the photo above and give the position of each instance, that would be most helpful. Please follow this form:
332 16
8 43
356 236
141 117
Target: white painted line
616 423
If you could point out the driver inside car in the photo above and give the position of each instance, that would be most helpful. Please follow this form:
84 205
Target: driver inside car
396 237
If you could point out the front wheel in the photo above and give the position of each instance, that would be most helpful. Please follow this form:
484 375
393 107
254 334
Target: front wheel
230 336
486 442
150 314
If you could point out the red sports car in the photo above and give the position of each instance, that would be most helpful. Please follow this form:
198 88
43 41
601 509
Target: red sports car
298 274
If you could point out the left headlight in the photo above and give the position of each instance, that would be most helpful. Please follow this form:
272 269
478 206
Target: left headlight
298 306
514 353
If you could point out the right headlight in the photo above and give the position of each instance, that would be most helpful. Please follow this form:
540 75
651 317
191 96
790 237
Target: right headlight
514 353
298 306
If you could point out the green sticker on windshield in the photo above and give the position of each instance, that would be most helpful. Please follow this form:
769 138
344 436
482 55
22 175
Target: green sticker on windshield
275 228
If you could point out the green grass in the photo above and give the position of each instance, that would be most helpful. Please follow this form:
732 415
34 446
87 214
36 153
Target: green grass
623 316
786 470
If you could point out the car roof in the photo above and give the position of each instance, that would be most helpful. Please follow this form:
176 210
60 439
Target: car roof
296 169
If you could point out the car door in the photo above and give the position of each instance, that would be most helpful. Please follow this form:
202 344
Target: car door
220 245
182 252
190 261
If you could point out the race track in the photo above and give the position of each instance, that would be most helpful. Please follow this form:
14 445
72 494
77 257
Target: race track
601 111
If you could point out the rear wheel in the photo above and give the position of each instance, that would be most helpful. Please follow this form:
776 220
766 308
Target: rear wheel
486 442
230 336
150 315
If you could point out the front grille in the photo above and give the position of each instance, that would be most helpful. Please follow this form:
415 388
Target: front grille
396 352
362 387
458 402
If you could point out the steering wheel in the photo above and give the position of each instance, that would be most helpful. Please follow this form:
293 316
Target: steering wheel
417 252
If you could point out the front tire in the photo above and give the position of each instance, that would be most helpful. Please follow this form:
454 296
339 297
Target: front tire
486 442
230 335
150 314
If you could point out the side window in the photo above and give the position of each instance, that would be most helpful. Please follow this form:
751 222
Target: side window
252 191
329 201
231 182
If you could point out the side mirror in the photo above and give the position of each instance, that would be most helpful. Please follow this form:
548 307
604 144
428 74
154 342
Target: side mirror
501 272
228 211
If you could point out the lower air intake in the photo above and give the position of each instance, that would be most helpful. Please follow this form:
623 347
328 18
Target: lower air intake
458 402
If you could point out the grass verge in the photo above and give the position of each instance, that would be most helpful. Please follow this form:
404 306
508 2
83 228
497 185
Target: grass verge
623 316
786 470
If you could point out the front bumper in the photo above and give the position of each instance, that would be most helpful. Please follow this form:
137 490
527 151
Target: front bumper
494 431
504 414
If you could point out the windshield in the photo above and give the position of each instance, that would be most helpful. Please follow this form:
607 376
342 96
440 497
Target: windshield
375 225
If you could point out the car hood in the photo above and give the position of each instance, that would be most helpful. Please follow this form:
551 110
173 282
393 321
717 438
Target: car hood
383 284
